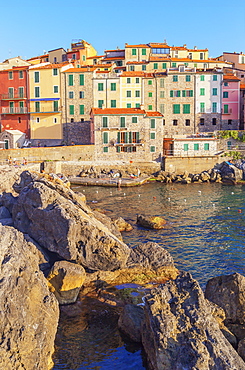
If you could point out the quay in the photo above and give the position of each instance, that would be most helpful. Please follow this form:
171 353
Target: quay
109 181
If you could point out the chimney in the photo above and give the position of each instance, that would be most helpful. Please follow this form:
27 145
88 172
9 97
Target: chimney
142 107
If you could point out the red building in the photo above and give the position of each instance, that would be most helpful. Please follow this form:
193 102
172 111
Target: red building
14 101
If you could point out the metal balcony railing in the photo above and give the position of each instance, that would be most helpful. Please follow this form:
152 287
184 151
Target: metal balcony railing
14 110
13 96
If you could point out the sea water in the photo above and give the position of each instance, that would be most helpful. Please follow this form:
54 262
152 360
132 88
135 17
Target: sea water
204 234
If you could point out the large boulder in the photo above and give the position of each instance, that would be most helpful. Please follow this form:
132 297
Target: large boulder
130 321
58 220
179 331
8 176
151 222
28 311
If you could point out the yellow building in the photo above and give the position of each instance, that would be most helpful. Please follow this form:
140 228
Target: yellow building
45 102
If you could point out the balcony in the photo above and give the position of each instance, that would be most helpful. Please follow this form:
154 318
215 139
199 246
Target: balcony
13 96
45 111
14 110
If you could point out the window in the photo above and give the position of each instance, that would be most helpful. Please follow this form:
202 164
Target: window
229 121
128 80
131 68
134 119
37 120
71 109
37 106
70 80
11 107
161 108
150 82
56 106
215 91
175 78
201 55
164 65
152 149
163 122
186 147
153 123
137 93
201 121
155 66
137 105
196 146
186 109
104 121
206 146
36 77
128 105
202 91
225 94
150 94
105 138
55 72
175 122
100 103
176 108
143 67
143 51
72 120
229 144
71 94
133 51
214 121
149 107
37 92
214 107
122 122
137 80
55 120
187 78
81 109
128 94
100 86
183 93
81 94
173 65
161 94
161 82
81 80
56 89
226 84
215 78
202 107
21 75
152 135
10 75
171 93
113 86
226 108
11 92
113 103
21 105
189 93
202 78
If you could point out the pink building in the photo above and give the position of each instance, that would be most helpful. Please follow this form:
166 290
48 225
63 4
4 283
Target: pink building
230 102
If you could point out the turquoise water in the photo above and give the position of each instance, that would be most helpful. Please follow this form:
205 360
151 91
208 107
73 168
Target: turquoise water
204 234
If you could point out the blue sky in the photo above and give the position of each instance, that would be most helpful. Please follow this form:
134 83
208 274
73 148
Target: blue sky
28 29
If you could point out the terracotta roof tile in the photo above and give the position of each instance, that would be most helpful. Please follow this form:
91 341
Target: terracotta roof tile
136 74
114 58
231 77
135 62
137 46
124 111
242 86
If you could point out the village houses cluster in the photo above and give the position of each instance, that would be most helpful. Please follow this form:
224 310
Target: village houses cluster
145 100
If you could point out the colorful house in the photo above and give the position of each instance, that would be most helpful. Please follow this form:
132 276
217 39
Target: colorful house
230 102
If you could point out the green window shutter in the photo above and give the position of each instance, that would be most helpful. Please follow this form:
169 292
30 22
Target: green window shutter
150 94
226 108
215 78
113 103
175 78
152 149
202 78
137 137
187 78
137 93
100 86
130 137
196 146
186 147
71 108
176 108
171 93
137 80
149 107
150 82
162 82
105 138
55 72
119 137
81 80
122 121
202 107
128 94
105 149
36 76
137 105
178 93
126 137
162 108
128 105
104 121
214 91
186 108
37 106
118 149
155 66
133 51
173 64
161 94
56 106
100 103
152 135
225 94
134 120
214 108
202 91
164 65
183 93
191 93
56 89
128 80
206 146
21 92
143 67
81 109
70 80
113 86
37 92
21 104
153 123
143 51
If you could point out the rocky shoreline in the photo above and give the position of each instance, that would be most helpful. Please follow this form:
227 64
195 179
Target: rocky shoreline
55 250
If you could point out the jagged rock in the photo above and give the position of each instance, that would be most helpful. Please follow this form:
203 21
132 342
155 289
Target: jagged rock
4 212
7 200
28 311
241 349
153 222
130 321
7 221
179 331
204 176
122 225
107 221
8 176
44 257
65 281
57 219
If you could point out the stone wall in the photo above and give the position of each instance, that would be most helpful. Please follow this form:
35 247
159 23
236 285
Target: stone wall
192 165
77 133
